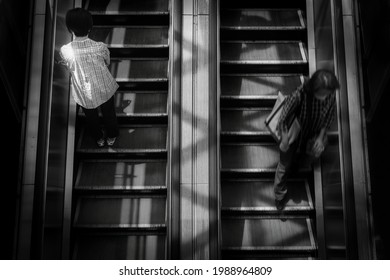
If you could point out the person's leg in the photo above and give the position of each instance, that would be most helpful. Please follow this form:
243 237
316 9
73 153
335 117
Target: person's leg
283 171
93 124
109 118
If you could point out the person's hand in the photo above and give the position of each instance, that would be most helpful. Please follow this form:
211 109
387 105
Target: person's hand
284 138
318 146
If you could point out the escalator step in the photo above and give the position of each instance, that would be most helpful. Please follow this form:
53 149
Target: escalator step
268 236
131 35
253 85
264 4
257 196
142 6
121 175
140 74
260 19
244 125
263 57
131 140
257 160
262 24
117 12
140 107
134 41
139 69
263 52
249 156
244 119
118 247
122 212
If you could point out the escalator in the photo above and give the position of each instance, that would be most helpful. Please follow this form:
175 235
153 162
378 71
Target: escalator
263 49
120 193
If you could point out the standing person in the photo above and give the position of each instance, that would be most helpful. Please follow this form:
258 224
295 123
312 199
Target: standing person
92 84
314 104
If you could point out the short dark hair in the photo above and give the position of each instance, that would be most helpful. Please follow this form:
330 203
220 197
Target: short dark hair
322 79
79 21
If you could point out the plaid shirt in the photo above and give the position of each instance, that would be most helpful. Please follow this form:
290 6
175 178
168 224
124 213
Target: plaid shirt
313 114
92 83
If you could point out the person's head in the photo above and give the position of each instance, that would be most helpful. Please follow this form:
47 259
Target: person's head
79 21
322 83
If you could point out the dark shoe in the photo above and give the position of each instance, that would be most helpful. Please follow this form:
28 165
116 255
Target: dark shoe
100 143
279 204
111 141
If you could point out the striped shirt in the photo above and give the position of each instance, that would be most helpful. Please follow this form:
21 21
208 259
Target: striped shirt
92 83
313 114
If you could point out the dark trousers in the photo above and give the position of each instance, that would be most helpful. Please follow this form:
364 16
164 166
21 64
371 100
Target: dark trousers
283 170
109 120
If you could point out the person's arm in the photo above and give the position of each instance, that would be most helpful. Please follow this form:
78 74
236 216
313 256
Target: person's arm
290 104
62 60
289 107
105 53
329 117
284 145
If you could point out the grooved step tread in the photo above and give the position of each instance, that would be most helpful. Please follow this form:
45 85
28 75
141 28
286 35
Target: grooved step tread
258 196
283 235
139 70
118 247
263 4
130 35
120 211
249 156
260 19
258 84
244 120
115 6
136 104
266 52
121 175
130 138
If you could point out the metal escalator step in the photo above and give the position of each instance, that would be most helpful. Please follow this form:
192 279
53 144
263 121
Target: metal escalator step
139 69
257 196
116 12
121 176
258 85
268 4
244 119
143 6
133 41
244 124
263 52
263 57
137 103
131 140
262 19
240 156
140 74
121 213
140 106
256 160
250 235
117 36
118 247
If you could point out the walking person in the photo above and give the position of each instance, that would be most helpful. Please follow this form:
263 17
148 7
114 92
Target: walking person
93 86
314 104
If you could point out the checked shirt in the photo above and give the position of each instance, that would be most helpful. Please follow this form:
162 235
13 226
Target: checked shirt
92 83
313 114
